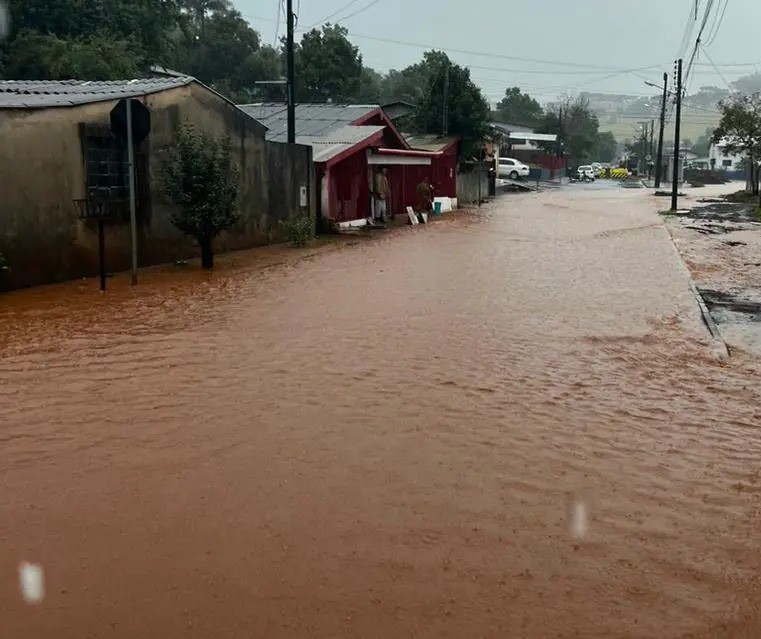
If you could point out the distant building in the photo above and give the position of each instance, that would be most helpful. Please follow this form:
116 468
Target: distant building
720 160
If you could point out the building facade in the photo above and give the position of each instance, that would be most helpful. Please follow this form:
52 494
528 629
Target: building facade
58 151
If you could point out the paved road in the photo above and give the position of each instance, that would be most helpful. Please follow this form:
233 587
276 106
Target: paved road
508 424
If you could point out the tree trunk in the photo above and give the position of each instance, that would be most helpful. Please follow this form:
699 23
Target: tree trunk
207 252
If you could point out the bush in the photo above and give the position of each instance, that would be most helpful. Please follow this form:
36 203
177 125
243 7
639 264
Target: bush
299 229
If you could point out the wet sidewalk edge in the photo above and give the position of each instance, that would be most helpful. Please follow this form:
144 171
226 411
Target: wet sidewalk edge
705 314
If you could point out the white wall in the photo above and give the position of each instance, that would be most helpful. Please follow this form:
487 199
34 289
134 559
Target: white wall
724 161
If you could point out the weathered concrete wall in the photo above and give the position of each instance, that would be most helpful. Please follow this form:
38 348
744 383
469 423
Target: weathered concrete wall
42 171
468 187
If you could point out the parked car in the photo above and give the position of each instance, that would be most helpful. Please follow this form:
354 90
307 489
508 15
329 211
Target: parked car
585 172
512 168
597 168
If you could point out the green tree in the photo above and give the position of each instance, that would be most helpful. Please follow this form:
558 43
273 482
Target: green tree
370 86
579 130
140 27
200 178
33 55
517 107
215 44
702 145
327 66
739 131
607 147
467 110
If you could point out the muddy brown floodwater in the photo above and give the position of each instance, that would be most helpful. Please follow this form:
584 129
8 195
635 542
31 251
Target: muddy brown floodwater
388 440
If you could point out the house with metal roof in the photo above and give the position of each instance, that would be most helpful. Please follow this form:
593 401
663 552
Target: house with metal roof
60 158
349 144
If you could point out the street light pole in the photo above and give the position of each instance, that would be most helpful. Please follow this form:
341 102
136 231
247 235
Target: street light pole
659 161
677 134
290 80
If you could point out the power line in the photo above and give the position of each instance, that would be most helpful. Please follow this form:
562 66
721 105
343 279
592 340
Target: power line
718 24
729 86
334 14
371 4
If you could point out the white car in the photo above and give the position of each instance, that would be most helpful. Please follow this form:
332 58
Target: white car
585 172
512 168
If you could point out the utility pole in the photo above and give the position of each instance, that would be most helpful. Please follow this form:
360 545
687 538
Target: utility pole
651 150
560 131
659 160
677 134
445 114
290 80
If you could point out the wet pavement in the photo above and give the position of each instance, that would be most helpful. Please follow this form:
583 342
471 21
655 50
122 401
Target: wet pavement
511 423
721 242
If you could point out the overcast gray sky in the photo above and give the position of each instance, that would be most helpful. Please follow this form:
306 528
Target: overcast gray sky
612 34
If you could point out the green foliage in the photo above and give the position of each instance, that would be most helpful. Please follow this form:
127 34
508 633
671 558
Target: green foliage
89 39
467 110
702 144
740 127
579 131
36 55
200 178
300 229
517 107
606 148
327 66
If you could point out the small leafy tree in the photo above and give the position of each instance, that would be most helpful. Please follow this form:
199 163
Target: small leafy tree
202 181
739 131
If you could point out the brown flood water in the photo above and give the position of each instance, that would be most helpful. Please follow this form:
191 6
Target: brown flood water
387 441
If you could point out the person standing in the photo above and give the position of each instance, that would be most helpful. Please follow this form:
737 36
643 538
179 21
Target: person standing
425 196
381 193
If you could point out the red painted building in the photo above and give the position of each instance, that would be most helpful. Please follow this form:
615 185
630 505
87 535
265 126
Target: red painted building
350 143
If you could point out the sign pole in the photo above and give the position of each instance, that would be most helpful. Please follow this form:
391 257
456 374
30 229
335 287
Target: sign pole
132 206
102 253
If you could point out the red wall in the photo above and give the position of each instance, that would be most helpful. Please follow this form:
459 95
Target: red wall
349 196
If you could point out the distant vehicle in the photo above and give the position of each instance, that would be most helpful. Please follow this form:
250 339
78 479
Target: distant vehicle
585 172
597 168
512 168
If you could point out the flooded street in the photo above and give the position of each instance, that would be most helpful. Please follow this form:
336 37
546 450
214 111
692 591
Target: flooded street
400 438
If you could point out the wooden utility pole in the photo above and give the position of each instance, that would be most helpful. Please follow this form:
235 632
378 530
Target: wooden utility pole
677 134
659 160
132 201
290 75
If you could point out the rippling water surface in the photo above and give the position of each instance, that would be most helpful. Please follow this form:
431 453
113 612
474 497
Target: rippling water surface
389 440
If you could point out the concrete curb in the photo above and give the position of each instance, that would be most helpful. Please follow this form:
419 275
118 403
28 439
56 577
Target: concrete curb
708 320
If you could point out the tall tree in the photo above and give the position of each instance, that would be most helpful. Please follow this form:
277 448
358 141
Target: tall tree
202 181
739 131
451 97
141 27
579 130
606 147
328 66
518 107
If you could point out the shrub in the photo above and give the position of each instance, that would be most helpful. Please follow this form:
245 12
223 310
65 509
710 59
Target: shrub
299 229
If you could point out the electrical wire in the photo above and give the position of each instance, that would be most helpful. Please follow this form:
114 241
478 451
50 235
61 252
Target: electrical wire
370 4
330 16
729 86
718 24
277 26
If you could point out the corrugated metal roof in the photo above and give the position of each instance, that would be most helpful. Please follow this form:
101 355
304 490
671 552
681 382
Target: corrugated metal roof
312 120
325 148
425 142
534 137
43 94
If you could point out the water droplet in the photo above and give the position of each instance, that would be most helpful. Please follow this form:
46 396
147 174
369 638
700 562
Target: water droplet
31 582
579 520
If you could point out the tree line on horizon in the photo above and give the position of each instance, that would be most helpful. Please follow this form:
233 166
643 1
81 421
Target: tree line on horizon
213 42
